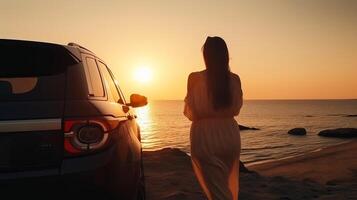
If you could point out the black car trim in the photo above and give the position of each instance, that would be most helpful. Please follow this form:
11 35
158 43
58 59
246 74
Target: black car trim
29 174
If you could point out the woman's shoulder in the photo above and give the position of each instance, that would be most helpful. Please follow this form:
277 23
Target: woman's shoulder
195 76
235 78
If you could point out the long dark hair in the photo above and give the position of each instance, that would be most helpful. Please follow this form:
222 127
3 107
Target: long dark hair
216 56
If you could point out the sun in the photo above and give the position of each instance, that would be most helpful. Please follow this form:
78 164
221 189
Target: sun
143 74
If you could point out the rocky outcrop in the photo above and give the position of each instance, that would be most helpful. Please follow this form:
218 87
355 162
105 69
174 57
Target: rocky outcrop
243 128
175 155
351 115
339 133
243 168
297 131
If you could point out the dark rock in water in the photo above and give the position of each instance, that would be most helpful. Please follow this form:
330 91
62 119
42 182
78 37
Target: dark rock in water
339 133
297 131
351 115
242 128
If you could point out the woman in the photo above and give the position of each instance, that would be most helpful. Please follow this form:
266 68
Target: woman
214 97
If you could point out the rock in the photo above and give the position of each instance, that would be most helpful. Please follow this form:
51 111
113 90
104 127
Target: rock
351 115
243 128
242 168
175 155
297 131
339 133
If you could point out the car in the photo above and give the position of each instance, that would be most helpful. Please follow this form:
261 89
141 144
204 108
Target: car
65 124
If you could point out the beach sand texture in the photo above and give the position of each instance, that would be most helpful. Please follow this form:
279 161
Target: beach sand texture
330 173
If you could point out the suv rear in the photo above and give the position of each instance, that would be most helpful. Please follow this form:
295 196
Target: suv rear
63 117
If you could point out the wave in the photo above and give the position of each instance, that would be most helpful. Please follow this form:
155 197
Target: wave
268 147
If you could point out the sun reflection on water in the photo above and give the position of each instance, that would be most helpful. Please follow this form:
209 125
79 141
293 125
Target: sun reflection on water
145 122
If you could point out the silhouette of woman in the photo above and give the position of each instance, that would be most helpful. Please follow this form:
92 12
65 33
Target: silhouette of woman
214 97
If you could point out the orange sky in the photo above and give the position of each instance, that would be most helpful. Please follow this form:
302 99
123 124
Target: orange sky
282 49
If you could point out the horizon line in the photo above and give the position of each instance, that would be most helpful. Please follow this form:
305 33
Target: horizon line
269 99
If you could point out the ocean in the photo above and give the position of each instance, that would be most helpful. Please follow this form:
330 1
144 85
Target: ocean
163 125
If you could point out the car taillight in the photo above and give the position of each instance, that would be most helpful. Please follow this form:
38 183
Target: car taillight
90 134
87 135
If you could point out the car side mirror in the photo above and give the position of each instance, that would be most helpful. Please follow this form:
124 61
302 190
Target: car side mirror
137 100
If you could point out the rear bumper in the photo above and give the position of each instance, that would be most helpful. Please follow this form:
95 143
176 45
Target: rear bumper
28 174
101 173
88 163
69 166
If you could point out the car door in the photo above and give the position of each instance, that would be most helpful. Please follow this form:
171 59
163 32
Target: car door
130 145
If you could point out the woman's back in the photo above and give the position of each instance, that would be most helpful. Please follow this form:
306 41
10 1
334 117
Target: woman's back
214 97
200 102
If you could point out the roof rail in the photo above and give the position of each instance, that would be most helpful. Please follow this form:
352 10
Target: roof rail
77 45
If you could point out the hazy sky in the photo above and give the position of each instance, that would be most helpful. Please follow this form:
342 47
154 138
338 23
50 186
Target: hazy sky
282 49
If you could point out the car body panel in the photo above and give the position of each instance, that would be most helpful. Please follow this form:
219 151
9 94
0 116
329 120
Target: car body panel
32 132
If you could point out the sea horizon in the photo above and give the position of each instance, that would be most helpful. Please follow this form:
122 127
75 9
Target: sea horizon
277 99
163 125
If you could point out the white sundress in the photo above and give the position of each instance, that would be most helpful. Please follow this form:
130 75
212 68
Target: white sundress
215 139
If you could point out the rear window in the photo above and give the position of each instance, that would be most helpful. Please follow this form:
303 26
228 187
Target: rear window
32 71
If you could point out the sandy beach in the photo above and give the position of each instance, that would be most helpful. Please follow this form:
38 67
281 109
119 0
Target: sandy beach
330 173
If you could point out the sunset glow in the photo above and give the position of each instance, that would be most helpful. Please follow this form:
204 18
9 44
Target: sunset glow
280 49
143 74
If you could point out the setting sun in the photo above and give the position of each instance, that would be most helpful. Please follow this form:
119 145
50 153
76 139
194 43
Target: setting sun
143 74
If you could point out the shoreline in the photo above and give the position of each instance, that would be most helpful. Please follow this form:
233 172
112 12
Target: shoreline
329 173
328 164
261 162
